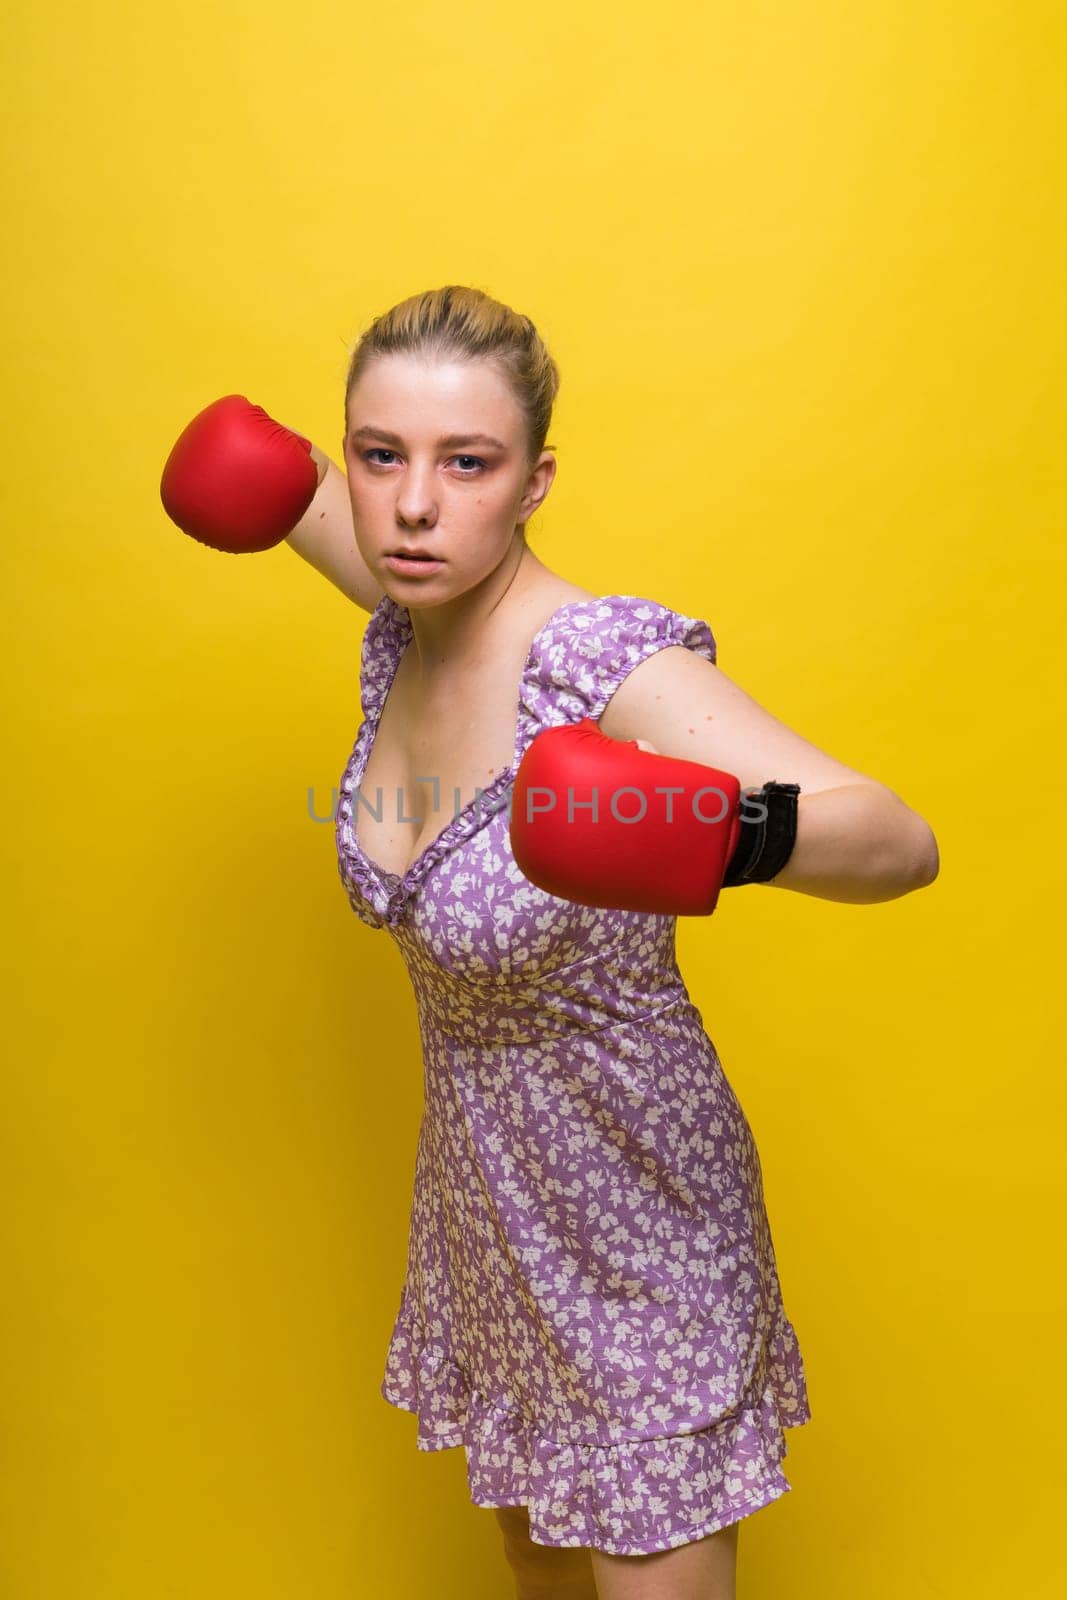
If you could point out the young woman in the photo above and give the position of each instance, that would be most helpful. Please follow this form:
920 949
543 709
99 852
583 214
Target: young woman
591 1305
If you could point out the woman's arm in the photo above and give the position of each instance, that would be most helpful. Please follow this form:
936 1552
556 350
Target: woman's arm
325 538
857 842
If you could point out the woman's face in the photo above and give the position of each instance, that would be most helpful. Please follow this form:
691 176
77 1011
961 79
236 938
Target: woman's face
435 453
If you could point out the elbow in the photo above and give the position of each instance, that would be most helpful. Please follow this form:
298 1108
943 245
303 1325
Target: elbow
933 865
909 854
924 857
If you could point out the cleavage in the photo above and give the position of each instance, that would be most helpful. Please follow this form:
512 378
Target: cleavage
452 743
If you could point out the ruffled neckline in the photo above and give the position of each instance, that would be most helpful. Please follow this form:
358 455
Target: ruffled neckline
389 891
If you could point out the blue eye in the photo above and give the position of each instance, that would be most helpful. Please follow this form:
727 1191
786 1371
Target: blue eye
381 450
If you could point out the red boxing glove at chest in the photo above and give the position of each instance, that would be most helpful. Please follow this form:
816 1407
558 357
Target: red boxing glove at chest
602 823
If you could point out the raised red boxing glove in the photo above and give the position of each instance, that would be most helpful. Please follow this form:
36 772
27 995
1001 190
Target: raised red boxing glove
600 822
236 479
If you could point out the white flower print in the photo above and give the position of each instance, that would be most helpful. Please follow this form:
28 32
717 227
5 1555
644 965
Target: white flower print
591 1306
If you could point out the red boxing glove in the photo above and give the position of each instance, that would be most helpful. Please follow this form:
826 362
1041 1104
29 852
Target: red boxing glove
237 480
600 822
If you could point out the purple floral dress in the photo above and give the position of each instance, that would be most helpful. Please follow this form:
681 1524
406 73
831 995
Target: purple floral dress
591 1305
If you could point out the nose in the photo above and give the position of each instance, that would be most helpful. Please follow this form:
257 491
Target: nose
416 504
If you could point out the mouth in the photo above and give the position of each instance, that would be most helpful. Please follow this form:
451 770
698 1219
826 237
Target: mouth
412 561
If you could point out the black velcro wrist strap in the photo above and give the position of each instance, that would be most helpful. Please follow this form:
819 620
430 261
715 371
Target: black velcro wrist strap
766 842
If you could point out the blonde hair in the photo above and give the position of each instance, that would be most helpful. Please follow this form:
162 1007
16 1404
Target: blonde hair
465 324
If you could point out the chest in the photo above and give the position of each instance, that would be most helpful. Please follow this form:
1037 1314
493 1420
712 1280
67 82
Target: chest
431 755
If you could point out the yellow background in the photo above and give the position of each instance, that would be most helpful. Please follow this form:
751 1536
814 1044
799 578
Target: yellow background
801 267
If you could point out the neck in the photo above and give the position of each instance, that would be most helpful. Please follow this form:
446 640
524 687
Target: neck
456 633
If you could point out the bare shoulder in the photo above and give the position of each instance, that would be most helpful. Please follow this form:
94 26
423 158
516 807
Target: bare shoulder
570 592
548 598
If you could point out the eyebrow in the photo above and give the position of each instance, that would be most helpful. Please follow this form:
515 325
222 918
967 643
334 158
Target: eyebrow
450 441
